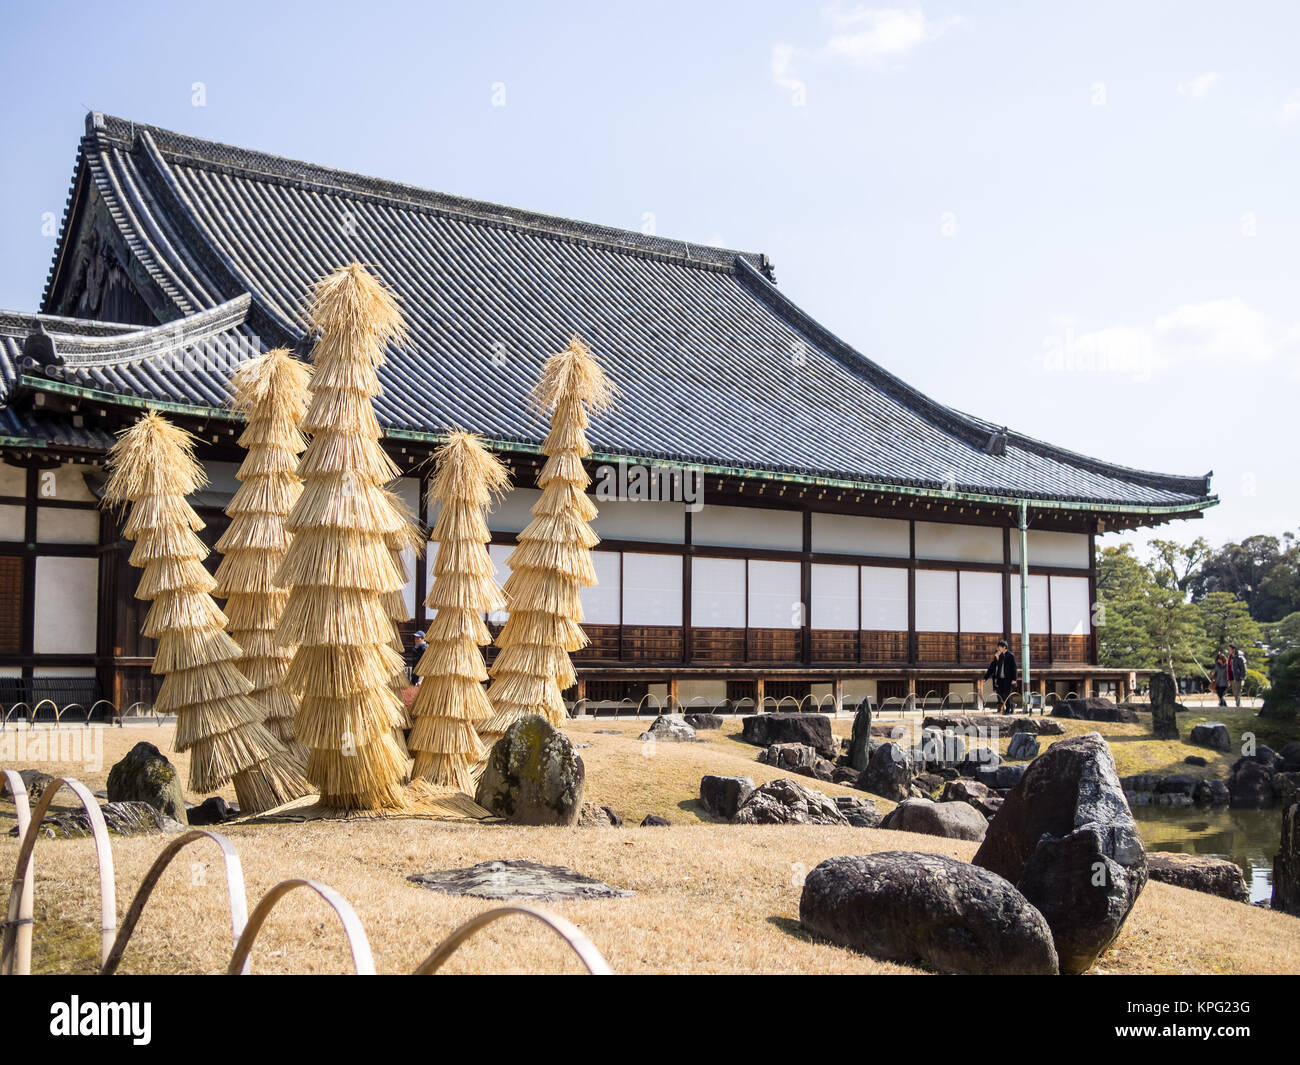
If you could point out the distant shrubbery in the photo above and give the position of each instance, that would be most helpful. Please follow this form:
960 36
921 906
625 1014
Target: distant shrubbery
1283 696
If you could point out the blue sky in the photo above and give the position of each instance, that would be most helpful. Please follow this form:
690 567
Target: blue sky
1079 219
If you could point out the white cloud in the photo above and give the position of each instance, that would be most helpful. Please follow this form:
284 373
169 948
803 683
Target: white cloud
1199 86
863 36
1202 338
867 36
1290 110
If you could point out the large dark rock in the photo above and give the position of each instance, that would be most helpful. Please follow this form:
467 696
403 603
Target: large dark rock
1211 793
120 818
722 796
212 811
533 775
1250 784
1067 839
939 748
1286 864
34 781
787 802
669 728
655 821
145 775
926 909
1000 777
1164 706
1023 747
1290 755
814 730
1213 876
1093 709
1211 734
1286 788
703 721
861 813
951 820
860 740
794 757
889 773
973 793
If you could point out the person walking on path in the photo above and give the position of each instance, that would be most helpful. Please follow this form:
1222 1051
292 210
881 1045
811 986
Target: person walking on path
1221 671
1002 671
1236 672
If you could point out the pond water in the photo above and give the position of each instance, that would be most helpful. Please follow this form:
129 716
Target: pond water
1248 837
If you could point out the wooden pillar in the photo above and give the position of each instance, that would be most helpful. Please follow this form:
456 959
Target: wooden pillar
837 693
1087 687
673 702
758 693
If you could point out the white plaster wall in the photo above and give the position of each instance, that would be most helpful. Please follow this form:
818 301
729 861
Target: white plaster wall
778 530
514 511
981 602
884 598
1053 548
58 525
1038 619
936 600
774 600
67 598
958 543
718 593
1071 606
848 534
652 589
834 597
11 522
600 603
647 520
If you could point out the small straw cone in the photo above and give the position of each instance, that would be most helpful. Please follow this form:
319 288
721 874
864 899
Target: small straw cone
271 391
552 561
450 702
340 568
152 469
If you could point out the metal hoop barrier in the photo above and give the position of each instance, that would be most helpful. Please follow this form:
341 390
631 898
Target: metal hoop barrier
583 947
232 867
363 963
22 930
17 962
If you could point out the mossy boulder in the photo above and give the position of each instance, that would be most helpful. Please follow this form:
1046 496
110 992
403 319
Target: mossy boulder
533 776
145 775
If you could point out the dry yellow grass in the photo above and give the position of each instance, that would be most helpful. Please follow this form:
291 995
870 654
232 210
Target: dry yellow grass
710 898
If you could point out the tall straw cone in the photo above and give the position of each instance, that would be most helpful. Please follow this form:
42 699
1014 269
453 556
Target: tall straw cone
552 561
450 703
152 470
340 568
271 392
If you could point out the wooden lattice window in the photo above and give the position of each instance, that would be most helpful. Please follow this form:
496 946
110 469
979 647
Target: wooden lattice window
11 604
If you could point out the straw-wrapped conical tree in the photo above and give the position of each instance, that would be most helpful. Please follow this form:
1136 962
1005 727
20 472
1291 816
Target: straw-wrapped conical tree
552 561
339 568
153 469
409 537
271 391
450 702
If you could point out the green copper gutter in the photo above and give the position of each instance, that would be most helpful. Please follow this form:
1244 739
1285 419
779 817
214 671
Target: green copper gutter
416 436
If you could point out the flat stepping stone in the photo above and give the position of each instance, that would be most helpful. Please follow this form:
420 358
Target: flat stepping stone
518 879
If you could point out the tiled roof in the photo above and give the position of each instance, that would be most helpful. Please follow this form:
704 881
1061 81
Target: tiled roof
714 364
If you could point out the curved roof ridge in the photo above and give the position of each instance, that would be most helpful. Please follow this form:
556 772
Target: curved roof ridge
151 341
218 156
972 430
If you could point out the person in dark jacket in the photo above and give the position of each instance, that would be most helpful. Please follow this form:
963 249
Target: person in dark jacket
1221 671
1236 671
1002 671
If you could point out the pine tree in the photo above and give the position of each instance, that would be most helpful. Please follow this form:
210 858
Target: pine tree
552 561
450 702
153 469
339 569
271 391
